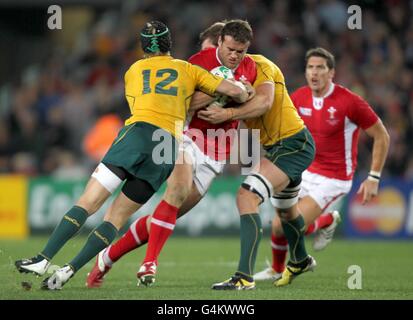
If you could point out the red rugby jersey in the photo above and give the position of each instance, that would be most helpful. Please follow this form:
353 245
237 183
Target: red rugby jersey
334 121
217 148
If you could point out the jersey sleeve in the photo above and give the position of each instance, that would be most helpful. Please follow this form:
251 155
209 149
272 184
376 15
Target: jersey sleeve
205 80
264 74
278 76
361 113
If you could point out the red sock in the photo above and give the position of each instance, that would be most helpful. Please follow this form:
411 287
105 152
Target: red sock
136 236
312 228
325 220
279 247
162 225
321 222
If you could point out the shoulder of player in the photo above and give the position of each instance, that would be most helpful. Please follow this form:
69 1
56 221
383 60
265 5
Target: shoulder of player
182 63
178 64
203 54
260 60
135 65
188 67
264 64
344 92
194 57
131 69
302 91
339 89
248 61
148 62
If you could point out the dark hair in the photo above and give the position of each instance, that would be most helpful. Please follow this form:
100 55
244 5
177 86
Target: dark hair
212 32
155 37
240 30
322 53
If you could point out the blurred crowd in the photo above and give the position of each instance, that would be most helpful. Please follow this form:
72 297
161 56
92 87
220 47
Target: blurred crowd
57 112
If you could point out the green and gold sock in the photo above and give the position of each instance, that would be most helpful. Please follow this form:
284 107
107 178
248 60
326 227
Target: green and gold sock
251 234
70 224
99 238
294 232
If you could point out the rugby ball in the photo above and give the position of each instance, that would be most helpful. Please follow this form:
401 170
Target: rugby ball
223 72
226 73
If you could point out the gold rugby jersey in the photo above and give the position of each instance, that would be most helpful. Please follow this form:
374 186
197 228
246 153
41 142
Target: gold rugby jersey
282 120
159 90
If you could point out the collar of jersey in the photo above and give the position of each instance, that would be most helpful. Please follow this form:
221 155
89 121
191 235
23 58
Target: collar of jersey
329 92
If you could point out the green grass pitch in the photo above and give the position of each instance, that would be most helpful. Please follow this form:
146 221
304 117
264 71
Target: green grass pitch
188 267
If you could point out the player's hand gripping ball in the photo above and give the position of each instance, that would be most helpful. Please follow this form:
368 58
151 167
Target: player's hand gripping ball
227 74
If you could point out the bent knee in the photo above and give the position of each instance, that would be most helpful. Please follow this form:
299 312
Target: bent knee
247 201
243 195
177 192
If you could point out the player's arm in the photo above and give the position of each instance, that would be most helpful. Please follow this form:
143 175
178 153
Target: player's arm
231 89
238 93
369 188
211 85
261 103
380 145
200 100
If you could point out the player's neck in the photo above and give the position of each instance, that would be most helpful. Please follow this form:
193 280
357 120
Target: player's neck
326 91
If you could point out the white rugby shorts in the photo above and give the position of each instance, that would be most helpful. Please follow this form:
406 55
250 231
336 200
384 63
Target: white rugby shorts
327 192
205 169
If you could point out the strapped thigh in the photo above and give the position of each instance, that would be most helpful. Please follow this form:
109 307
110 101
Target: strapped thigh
287 197
109 176
259 185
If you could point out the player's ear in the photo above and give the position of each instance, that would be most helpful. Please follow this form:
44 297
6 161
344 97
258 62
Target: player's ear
219 41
